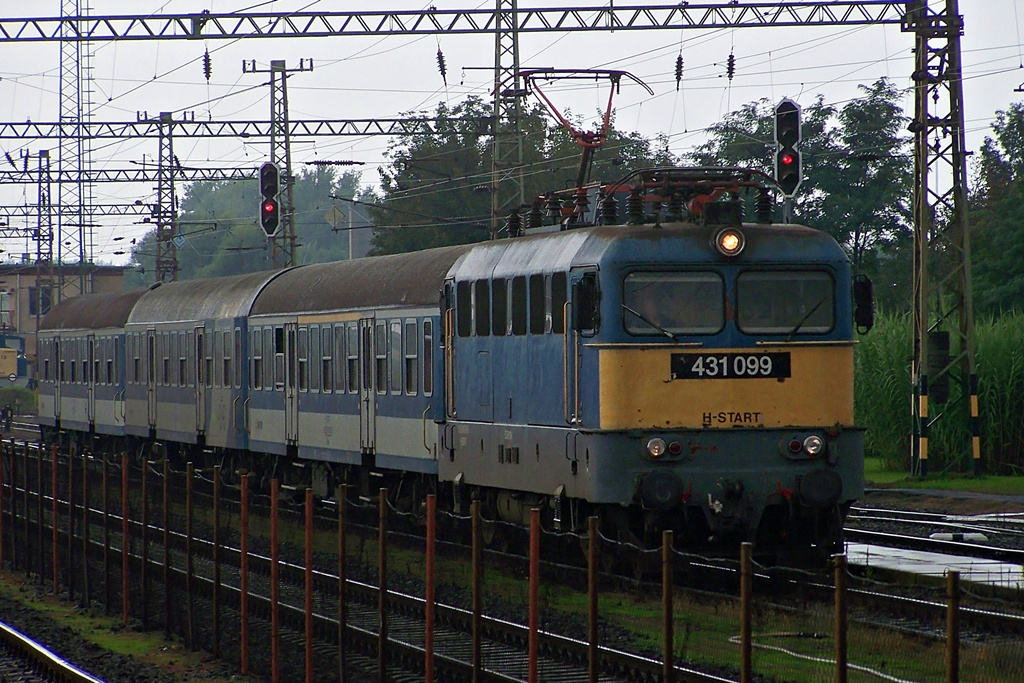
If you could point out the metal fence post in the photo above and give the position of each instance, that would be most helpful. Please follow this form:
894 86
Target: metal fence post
953 627
667 644
533 640
382 590
841 618
592 633
746 599
428 636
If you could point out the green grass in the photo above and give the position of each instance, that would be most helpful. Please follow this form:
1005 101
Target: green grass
876 474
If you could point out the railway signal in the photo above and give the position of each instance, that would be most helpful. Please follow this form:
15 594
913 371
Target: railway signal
788 164
270 208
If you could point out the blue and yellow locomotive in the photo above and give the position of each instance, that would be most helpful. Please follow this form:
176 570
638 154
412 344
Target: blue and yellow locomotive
685 370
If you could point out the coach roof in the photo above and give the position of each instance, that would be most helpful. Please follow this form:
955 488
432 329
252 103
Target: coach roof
91 312
186 300
412 279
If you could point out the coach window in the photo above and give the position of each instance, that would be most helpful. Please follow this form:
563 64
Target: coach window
136 360
268 358
411 358
229 347
483 308
218 357
785 302
208 360
236 358
559 295
381 357
395 356
94 359
340 359
464 309
256 378
326 368
499 307
667 303
278 358
182 359
537 301
190 350
428 358
165 358
303 351
353 359
172 353
519 306
314 358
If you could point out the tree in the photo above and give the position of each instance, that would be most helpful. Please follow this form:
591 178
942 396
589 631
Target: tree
435 189
997 216
219 222
856 177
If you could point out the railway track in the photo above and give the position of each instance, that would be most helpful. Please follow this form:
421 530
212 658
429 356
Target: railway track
23 660
992 536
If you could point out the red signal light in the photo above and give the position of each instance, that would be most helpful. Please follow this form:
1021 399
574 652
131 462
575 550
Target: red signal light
269 207
787 159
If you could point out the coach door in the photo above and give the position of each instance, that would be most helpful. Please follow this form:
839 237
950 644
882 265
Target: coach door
151 375
89 376
199 349
291 393
367 386
58 377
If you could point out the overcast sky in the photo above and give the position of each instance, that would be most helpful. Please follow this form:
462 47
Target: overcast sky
356 77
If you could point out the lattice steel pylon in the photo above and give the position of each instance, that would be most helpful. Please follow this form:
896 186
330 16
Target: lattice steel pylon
74 232
44 240
165 211
943 310
507 148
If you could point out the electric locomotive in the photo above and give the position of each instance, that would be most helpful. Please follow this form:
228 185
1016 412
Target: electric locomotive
682 370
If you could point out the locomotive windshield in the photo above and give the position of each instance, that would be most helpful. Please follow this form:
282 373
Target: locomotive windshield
785 302
673 303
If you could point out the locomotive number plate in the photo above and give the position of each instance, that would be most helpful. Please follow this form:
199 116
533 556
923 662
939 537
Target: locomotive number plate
730 365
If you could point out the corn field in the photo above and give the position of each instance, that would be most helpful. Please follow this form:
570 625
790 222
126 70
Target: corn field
883 396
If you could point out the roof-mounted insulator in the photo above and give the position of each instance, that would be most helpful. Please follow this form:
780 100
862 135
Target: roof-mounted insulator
536 217
730 66
679 70
609 209
675 207
635 207
553 208
441 66
764 205
580 202
514 225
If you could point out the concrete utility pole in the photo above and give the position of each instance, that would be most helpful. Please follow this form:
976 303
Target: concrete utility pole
282 245
943 301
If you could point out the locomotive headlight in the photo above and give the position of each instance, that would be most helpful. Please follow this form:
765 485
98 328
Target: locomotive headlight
656 447
729 242
813 445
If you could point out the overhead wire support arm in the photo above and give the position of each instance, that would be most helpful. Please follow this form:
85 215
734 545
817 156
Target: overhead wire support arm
432 21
